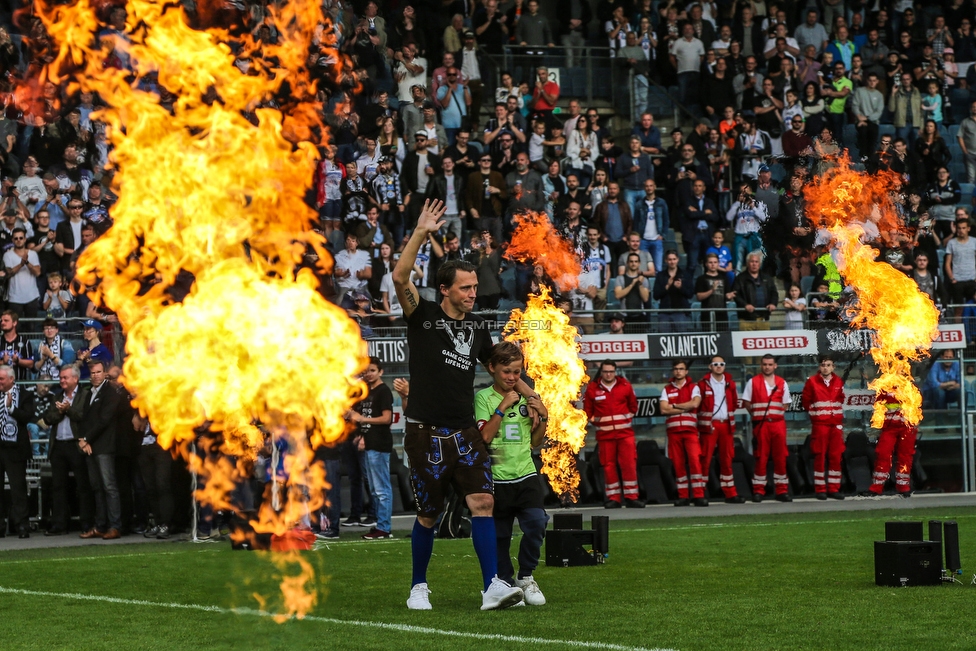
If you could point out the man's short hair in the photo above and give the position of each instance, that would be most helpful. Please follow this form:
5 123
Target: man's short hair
450 237
679 362
709 256
19 230
73 368
377 362
49 322
825 358
13 315
447 273
963 220
608 362
768 356
92 363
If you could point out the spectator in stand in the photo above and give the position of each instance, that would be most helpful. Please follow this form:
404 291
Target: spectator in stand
755 295
812 33
485 198
533 29
16 410
769 118
942 386
874 54
573 193
504 123
574 19
372 234
553 187
942 195
581 149
449 188
967 143
373 415
455 101
837 93
647 268
419 167
439 77
673 292
66 457
965 47
687 54
698 220
526 189
474 66
632 288
614 218
616 29
633 169
352 268
545 94
490 28
22 267
718 91
711 290
796 142
748 32
867 105
682 174
842 48
931 149
752 147
436 135
699 137
652 222
633 57
905 104
746 216
928 281
412 112
960 265
594 279
409 70
650 135
747 83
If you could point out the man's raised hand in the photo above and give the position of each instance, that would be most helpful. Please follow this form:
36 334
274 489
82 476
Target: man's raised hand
431 217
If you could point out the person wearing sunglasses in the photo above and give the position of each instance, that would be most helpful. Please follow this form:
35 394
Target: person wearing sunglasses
23 267
716 425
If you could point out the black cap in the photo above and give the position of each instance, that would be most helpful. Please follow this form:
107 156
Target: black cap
618 316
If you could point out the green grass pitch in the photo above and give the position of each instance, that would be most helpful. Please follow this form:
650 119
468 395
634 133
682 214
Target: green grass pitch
800 581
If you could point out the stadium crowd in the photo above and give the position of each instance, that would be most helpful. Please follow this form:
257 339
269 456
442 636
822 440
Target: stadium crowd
768 90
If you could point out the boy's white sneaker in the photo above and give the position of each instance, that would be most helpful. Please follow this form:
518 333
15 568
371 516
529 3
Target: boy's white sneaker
533 595
419 599
500 595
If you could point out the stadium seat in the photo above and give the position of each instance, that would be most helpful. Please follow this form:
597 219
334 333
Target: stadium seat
859 461
655 473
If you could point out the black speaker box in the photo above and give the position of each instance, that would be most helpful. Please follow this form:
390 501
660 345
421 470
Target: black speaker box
896 530
907 563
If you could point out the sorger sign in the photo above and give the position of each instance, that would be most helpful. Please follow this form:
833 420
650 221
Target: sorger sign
616 347
774 342
951 335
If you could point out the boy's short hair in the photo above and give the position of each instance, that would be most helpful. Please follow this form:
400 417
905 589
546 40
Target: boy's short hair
55 274
963 220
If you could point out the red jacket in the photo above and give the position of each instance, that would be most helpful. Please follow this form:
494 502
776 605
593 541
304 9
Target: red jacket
768 408
824 402
685 422
611 410
710 400
893 416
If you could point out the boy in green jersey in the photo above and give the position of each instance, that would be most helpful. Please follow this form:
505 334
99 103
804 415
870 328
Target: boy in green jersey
510 434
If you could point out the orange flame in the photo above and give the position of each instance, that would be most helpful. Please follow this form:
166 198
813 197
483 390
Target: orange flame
536 240
849 204
549 344
203 191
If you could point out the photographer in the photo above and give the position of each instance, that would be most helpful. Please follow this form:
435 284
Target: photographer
746 217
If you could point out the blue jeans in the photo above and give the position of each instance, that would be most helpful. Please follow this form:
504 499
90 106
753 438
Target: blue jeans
632 197
744 245
37 433
380 489
332 506
656 249
355 466
640 95
674 322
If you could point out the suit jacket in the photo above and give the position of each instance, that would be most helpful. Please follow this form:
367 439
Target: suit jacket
691 215
128 441
98 422
475 192
74 414
437 189
64 235
22 413
408 171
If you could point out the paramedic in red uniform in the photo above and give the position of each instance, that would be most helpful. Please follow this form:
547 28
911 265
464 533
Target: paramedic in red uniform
679 401
823 400
898 436
610 404
716 425
766 396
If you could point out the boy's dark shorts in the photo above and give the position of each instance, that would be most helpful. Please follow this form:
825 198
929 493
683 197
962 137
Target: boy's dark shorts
442 456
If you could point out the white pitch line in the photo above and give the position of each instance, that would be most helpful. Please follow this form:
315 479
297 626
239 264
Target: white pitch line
64 559
402 628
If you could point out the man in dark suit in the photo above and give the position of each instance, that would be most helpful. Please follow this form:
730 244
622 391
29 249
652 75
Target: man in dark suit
98 442
699 219
448 187
16 409
66 456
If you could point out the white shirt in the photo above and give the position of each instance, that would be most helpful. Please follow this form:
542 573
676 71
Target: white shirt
695 393
386 286
688 54
422 178
353 263
720 410
451 203
64 433
22 286
403 89
747 391
650 228
469 64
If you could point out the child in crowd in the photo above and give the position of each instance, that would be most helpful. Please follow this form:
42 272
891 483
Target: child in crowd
537 146
932 104
724 256
822 306
43 400
57 301
795 306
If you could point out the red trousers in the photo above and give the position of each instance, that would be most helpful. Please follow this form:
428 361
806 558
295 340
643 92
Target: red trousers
827 445
685 450
900 439
720 435
622 451
770 439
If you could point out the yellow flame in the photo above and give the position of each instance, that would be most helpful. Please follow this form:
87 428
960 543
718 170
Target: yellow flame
204 192
889 302
549 344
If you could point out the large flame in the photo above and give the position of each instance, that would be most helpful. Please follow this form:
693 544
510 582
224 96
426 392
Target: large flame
211 190
549 344
847 202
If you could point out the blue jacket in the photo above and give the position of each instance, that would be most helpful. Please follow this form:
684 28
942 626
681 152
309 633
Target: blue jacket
633 180
661 216
939 374
650 139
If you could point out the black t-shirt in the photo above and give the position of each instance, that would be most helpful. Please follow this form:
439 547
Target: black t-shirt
443 361
22 348
376 437
716 282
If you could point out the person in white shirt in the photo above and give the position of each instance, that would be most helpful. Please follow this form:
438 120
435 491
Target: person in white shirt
23 267
724 41
352 268
409 70
30 187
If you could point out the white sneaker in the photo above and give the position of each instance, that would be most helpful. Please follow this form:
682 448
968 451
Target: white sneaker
500 595
533 595
418 597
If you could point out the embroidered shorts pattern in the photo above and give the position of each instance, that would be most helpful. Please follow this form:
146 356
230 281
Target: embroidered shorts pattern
440 457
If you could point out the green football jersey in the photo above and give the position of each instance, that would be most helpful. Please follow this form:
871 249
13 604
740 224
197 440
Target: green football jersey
511 449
